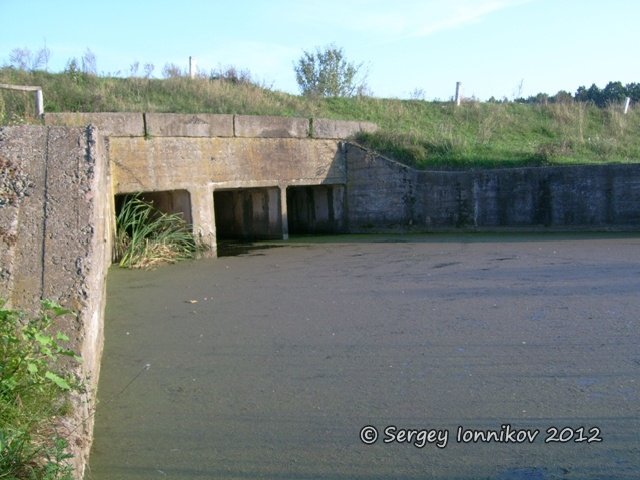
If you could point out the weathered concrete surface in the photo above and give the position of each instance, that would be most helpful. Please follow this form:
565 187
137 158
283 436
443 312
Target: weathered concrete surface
289 352
172 163
187 125
324 128
56 244
109 124
257 126
23 157
383 194
573 196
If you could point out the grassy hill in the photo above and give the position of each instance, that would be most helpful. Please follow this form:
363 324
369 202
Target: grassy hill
420 133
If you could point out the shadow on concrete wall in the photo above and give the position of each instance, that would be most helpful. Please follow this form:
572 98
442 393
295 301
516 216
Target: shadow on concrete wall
247 213
316 209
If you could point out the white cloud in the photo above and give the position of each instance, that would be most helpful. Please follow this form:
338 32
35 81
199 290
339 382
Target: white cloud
462 13
402 18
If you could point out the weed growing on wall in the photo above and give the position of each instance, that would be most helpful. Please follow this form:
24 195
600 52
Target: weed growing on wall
34 389
146 237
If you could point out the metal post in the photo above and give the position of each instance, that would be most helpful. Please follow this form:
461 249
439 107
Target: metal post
627 102
458 93
39 103
26 88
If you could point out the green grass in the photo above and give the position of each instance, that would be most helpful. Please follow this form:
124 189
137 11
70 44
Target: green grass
34 389
146 237
426 135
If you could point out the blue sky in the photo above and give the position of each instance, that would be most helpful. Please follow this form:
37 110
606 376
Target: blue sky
498 48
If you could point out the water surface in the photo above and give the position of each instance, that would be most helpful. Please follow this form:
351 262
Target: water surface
270 363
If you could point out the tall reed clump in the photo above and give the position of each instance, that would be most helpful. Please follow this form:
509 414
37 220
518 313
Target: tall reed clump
146 237
34 389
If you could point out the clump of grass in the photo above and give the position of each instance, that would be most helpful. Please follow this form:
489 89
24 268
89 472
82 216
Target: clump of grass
34 389
146 237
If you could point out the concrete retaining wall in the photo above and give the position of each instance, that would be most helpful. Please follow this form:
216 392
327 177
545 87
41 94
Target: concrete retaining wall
382 194
55 242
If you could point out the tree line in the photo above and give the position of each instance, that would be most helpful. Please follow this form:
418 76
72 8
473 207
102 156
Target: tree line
612 93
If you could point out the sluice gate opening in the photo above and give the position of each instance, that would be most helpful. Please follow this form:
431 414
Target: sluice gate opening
316 209
247 214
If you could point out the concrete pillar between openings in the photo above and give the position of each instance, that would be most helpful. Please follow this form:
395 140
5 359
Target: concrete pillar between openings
283 212
204 225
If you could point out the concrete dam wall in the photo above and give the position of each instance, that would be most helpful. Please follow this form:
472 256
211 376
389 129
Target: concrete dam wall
231 176
245 177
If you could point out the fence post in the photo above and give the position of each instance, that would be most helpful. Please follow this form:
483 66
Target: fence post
192 67
39 103
458 93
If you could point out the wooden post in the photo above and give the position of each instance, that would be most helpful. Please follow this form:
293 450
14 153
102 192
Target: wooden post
458 93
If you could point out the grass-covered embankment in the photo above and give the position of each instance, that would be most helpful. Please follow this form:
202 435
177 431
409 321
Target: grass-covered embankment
420 133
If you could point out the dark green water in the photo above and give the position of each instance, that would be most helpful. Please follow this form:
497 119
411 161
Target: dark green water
270 363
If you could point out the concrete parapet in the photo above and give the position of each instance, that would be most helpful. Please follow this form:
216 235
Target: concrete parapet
109 124
325 128
209 125
270 127
187 125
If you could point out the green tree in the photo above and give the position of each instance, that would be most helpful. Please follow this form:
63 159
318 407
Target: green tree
327 73
633 91
614 92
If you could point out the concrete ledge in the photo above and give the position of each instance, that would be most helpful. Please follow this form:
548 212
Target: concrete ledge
187 125
208 125
325 128
270 127
109 124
